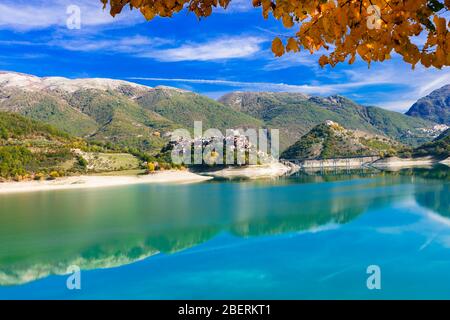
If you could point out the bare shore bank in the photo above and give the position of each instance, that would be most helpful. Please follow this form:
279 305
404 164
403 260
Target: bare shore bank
84 182
338 162
395 162
271 170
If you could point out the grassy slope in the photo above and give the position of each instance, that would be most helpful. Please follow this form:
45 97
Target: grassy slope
184 108
30 146
109 162
14 126
333 141
121 120
50 109
439 148
399 126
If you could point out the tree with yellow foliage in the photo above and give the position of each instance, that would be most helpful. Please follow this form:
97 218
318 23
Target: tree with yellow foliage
151 167
53 175
370 29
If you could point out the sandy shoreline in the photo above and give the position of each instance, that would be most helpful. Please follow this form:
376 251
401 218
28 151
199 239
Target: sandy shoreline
184 177
85 182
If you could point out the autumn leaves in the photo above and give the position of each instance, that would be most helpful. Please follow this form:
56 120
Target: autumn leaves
371 29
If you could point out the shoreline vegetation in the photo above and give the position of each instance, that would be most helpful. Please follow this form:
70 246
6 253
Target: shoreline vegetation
133 177
101 181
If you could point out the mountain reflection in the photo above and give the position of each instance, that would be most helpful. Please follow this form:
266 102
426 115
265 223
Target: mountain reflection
435 194
44 233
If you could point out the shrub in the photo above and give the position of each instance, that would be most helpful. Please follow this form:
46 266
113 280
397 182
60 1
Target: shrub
151 167
15 161
39 176
82 162
53 175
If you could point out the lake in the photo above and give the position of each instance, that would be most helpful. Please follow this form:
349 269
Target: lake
309 236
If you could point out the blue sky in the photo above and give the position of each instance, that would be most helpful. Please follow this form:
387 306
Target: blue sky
228 51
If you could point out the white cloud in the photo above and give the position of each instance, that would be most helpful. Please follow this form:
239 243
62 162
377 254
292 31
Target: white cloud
23 16
217 49
237 6
40 14
408 85
292 60
130 44
397 104
156 48
28 17
322 89
434 84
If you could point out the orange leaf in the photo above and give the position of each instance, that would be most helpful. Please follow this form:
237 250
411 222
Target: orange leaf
277 47
292 45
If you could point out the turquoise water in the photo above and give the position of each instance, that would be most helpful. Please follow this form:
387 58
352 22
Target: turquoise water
311 236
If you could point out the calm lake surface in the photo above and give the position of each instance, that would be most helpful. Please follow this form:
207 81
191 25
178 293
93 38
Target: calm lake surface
309 236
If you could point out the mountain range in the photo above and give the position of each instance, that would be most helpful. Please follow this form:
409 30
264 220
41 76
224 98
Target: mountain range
434 107
114 111
132 115
296 114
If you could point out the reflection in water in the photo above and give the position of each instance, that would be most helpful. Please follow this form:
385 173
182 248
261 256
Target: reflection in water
44 233
435 194
436 199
